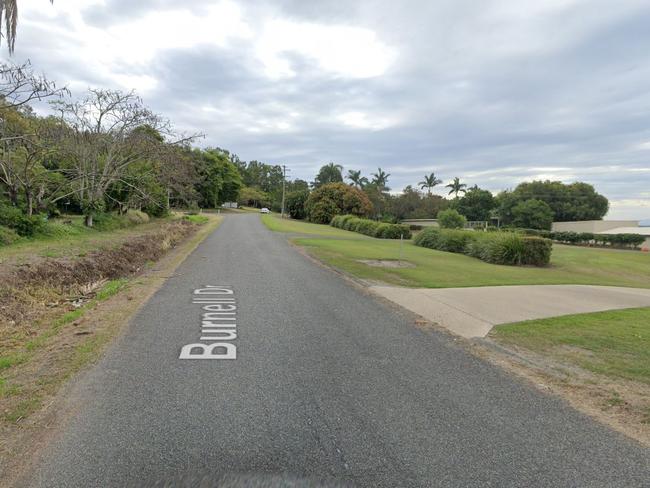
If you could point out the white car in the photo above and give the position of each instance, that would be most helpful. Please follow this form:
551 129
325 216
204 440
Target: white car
265 210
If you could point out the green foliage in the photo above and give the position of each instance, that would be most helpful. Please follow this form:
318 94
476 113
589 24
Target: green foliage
197 219
220 180
24 225
492 247
537 251
533 214
476 204
7 236
109 221
333 199
577 201
451 219
588 238
136 217
330 173
372 228
295 204
254 197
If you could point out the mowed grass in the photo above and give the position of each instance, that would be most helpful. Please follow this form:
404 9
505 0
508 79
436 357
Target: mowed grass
614 343
288 226
436 269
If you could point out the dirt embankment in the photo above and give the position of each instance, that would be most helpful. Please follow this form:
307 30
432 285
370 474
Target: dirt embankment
42 288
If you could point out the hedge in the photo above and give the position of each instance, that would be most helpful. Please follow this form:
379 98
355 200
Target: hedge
588 238
492 247
380 230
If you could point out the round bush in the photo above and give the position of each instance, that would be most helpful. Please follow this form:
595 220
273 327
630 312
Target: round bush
336 199
7 236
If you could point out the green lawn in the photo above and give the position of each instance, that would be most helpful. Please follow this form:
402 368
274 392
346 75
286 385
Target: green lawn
437 269
615 343
288 226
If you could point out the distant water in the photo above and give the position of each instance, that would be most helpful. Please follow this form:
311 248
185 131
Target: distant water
645 223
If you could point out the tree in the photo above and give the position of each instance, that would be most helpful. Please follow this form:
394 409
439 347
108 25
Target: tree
219 179
357 180
380 180
100 140
19 85
429 182
296 201
476 204
254 197
576 201
532 214
451 219
330 173
336 199
456 187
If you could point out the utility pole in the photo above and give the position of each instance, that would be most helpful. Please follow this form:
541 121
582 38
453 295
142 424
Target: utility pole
284 180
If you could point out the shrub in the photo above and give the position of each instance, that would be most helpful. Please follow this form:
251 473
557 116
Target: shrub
109 221
492 247
393 231
296 201
336 199
428 238
450 240
351 224
23 224
370 227
537 251
451 219
7 236
136 217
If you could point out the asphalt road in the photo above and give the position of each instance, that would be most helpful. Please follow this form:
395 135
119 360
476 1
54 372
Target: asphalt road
328 384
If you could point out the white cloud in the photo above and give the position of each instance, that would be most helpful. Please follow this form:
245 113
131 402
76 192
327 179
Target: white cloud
342 50
361 120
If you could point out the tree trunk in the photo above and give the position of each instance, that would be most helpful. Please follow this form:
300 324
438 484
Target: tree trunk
88 220
30 202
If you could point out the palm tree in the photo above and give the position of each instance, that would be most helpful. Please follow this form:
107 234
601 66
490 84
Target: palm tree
456 187
330 173
9 9
356 178
429 182
380 178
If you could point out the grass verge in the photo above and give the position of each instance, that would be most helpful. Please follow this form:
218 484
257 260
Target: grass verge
614 343
436 269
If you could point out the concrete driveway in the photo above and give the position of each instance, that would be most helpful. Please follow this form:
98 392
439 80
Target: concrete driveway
472 312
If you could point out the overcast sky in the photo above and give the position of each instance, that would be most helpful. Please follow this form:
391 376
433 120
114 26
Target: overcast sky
495 92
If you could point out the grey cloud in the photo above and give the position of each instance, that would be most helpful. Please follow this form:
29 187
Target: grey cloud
471 96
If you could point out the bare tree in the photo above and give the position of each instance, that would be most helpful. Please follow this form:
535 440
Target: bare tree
104 134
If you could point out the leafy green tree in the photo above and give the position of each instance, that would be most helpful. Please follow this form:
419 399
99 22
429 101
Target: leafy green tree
333 199
356 179
456 187
429 182
476 204
296 201
254 197
451 219
330 173
532 214
220 180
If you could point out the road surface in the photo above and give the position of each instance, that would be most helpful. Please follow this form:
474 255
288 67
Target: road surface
328 384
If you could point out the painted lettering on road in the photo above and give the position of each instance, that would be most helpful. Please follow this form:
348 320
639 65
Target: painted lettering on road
218 324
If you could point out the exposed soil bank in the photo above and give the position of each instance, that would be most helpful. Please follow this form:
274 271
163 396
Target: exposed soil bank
57 314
